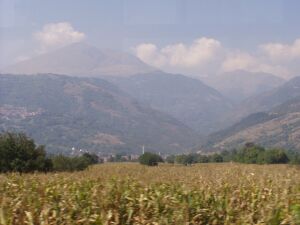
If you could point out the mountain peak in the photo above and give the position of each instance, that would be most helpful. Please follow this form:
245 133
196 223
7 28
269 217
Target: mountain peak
84 60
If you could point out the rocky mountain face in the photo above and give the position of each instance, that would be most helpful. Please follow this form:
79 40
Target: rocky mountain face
187 99
89 113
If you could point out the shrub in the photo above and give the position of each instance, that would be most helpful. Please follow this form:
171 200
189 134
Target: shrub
65 163
250 153
91 158
216 158
202 159
274 156
170 159
150 159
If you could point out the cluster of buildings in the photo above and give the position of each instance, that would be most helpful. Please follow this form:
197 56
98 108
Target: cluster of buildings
7 112
107 157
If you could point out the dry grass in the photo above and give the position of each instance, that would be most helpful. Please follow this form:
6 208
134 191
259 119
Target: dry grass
133 194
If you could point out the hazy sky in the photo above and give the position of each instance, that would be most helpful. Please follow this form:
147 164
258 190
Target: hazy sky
190 36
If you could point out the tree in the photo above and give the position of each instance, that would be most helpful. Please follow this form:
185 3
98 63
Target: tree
294 157
186 159
20 154
91 158
227 155
274 156
170 159
216 158
180 159
202 159
150 159
250 153
77 163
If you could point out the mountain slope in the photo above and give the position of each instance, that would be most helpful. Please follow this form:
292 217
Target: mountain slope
240 85
83 60
187 99
93 114
265 101
279 127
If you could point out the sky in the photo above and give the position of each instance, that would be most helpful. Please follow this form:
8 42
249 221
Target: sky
195 37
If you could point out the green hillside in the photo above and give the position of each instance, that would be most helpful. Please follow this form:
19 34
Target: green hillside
278 127
89 113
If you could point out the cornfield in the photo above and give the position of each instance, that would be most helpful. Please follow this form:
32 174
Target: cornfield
128 193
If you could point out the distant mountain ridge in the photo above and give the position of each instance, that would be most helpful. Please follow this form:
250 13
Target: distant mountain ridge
188 100
266 101
138 104
276 127
240 85
81 60
88 113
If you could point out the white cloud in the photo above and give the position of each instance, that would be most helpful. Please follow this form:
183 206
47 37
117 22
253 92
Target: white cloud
238 61
56 35
282 52
208 56
200 52
245 61
149 53
180 56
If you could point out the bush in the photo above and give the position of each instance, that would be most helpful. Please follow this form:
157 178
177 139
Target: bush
65 163
250 153
91 158
170 159
216 158
18 153
294 157
258 155
274 156
202 159
150 159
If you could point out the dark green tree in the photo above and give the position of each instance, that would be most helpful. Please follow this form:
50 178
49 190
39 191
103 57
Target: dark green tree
202 159
250 153
65 163
91 158
20 154
216 158
275 156
150 159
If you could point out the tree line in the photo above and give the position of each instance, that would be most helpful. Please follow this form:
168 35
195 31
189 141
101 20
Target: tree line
19 153
250 153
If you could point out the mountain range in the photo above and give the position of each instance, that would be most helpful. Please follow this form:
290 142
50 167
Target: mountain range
88 113
83 60
264 101
274 121
188 100
240 85
109 101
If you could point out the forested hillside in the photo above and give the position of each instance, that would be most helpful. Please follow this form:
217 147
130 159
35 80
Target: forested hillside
64 112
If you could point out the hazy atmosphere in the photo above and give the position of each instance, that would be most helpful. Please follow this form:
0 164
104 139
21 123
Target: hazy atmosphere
197 38
149 112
